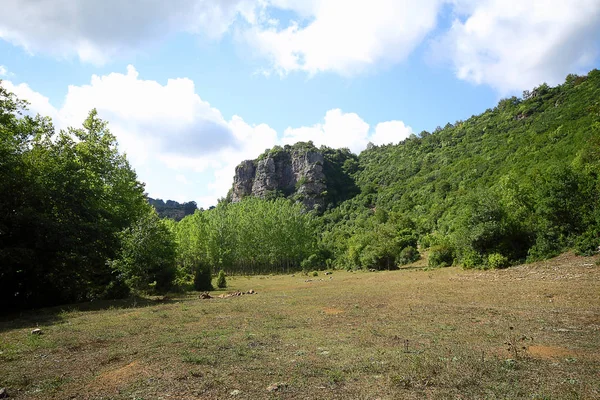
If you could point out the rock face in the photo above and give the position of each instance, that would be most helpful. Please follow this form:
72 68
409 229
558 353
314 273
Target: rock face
295 171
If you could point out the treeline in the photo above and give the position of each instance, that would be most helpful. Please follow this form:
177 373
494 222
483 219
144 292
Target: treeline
173 209
250 237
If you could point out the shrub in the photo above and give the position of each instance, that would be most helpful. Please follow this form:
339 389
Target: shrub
441 255
587 244
471 259
311 262
426 241
221 281
146 261
408 255
315 273
203 278
497 260
116 289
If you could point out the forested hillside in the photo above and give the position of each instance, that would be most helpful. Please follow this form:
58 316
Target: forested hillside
519 182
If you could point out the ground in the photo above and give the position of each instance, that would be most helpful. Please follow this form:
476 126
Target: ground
531 331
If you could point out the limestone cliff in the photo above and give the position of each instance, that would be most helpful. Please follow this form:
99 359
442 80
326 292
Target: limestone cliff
294 171
317 178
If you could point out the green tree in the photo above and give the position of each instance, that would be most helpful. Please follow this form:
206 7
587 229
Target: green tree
147 260
64 198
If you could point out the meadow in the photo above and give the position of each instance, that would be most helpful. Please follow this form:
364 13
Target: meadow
531 331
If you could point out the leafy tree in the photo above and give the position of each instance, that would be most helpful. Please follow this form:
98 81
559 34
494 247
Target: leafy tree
64 198
148 255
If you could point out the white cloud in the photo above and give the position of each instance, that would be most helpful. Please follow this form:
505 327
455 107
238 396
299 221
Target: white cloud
347 130
97 31
3 70
343 36
172 118
181 179
514 45
338 130
390 132
508 44
38 103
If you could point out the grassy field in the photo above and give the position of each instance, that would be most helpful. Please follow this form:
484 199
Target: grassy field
531 331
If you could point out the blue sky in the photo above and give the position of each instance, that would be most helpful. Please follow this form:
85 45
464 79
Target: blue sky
193 87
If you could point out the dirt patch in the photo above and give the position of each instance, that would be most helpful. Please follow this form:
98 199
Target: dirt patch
332 311
549 352
119 377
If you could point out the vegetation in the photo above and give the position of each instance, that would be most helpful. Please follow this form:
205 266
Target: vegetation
65 199
443 334
519 182
253 236
221 280
172 209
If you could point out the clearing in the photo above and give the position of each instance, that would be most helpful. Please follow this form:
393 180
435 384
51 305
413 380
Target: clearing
531 331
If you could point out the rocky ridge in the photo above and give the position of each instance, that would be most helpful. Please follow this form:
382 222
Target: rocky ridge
292 171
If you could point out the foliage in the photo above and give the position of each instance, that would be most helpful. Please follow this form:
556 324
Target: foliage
441 255
147 256
64 199
496 260
203 277
252 236
520 180
221 280
408 255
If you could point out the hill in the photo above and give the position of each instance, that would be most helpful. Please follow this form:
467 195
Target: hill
517 182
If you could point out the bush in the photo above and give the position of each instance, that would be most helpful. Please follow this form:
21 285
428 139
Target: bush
116 289
471 259
408 255
441 255
147 258
315 273
497 260
312 261
203 278
221 281
587 244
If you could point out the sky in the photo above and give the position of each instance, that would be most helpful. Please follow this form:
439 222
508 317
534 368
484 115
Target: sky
191 88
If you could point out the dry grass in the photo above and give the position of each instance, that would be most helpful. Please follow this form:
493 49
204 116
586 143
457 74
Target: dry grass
531 332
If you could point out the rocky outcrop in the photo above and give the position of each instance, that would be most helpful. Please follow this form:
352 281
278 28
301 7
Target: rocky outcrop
293 171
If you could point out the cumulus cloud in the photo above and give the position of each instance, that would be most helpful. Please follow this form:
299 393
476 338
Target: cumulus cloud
151 117
345 36
38 103
507 44
96 31
3 70
349 130
390 132
514 45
